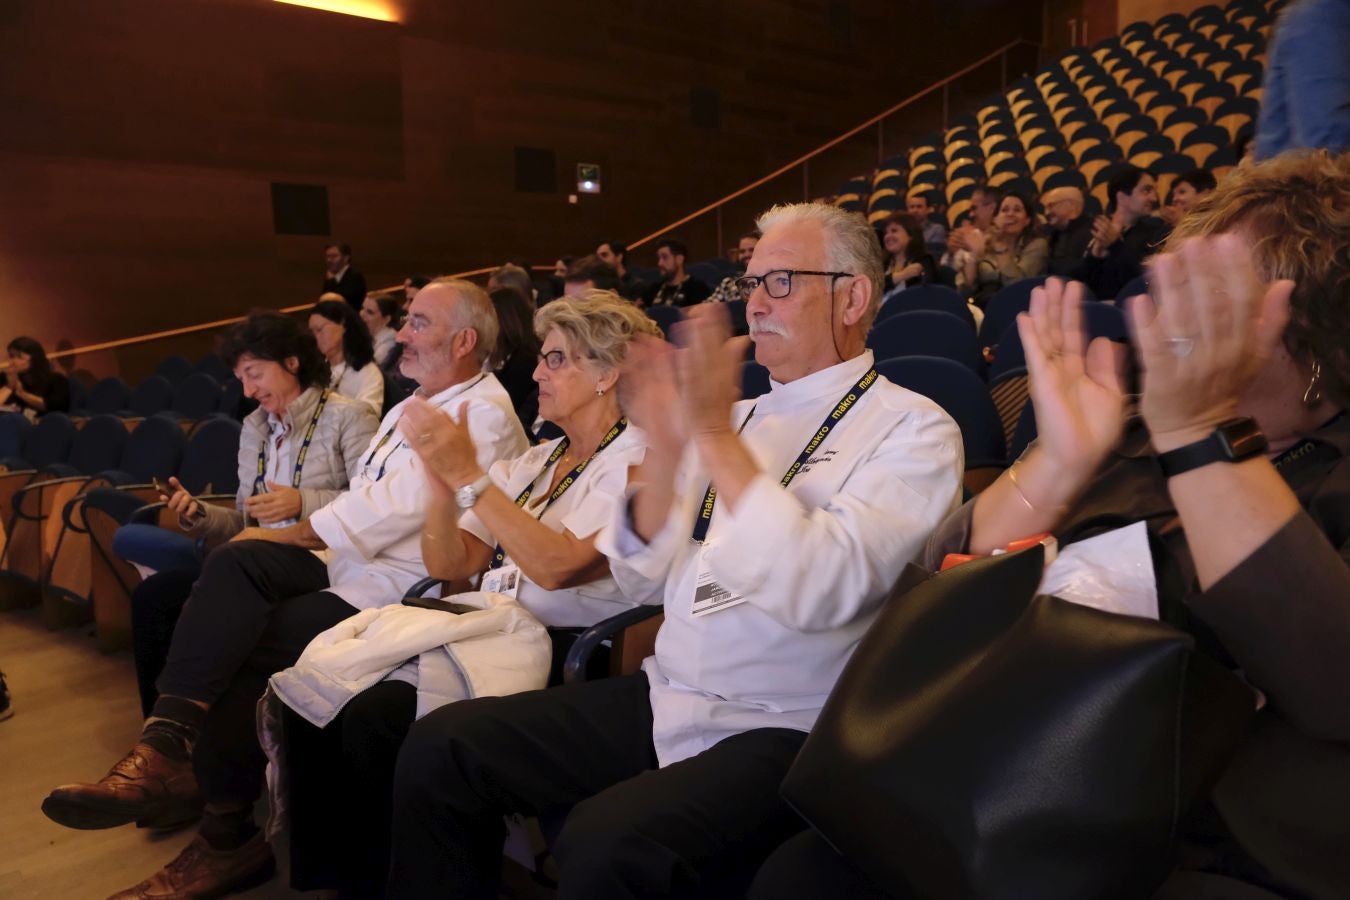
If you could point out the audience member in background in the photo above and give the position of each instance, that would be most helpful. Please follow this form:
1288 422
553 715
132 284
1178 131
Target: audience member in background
279 365
411 285
1127 235
1263 547
1069 231
674 771
31 387
542 284
560 267
676 288
264 596
1013 249
980 217
341 278
515 278
6 708
383 315
729 290
517 354
615 254
341 784
1305 101
589 274
1186 190
919 204
345 342
908 262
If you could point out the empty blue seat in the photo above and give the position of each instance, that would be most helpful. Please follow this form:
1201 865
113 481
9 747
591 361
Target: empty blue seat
926 333
111 395
48 442
196 396
213 365
962 394
926 296
665 317
1099 320
13 428
211 458
175 369
152 395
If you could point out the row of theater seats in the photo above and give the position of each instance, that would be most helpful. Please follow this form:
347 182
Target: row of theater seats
179 389
1168 96
65 486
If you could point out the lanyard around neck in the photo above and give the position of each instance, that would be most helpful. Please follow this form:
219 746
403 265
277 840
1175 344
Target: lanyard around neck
259 483
841 409
498 554
384 438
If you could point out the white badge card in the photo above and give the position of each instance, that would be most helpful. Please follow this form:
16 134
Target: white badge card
502 580
709 595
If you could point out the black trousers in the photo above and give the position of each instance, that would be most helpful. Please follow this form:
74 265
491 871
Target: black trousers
343 778
805 866
156 605
697 828
254 608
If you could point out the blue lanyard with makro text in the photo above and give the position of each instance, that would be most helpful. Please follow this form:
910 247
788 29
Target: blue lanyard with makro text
384 439
846 403
259 483
498 554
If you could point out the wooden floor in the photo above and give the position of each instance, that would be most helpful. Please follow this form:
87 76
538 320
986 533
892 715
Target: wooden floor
76 713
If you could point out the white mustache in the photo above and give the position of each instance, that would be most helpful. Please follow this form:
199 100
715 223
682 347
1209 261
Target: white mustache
761 326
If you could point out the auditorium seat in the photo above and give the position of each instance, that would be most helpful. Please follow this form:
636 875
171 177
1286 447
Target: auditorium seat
665 317
754 380
926 296
109 395
926 333
152 395
175 369
213 365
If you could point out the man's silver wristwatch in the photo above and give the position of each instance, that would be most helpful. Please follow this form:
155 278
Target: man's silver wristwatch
468 495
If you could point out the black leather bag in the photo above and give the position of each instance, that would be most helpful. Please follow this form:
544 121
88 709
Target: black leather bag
984 742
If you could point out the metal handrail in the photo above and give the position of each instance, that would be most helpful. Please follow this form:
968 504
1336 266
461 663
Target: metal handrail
801 161
806 158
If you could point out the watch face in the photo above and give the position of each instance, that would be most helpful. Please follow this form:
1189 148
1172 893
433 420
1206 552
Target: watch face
1241 438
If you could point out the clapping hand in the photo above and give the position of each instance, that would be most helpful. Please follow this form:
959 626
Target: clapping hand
708 366
649 393
1211 330
1077 391
443 443
1105 232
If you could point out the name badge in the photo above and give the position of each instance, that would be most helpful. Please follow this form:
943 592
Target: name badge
709 595
502 580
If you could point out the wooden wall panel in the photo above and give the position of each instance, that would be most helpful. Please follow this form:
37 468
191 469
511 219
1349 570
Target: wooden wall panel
140 136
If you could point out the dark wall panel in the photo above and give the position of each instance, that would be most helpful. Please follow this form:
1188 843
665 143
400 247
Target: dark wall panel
140 138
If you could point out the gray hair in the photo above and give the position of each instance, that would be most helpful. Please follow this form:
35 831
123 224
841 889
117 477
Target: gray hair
517 279
598 325
850 243
474 310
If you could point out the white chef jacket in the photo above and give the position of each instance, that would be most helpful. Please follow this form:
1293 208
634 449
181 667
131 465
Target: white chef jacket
584 509
374 530
814 560
364 385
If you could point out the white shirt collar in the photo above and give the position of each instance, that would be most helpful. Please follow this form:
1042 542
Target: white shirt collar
454 390
827 383
343 271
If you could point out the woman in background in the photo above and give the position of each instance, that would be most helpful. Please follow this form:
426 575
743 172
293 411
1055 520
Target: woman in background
908 262
516 354
345 342
383 316
31 387
1014 249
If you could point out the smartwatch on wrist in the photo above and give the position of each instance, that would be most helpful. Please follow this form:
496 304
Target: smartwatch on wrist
1232 441
468 495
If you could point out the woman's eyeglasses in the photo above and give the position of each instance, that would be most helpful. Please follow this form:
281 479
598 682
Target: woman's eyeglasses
554 359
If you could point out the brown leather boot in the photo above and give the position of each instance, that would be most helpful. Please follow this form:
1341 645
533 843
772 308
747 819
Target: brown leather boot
145 785
201 872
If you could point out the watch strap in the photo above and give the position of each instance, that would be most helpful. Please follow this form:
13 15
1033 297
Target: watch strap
1233 441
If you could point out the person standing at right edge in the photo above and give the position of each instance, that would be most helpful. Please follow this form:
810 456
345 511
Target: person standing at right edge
771 530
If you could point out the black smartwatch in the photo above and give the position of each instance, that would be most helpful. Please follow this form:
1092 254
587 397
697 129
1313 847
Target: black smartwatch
1233 441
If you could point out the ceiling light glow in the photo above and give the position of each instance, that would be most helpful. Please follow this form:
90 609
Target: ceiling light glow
366 9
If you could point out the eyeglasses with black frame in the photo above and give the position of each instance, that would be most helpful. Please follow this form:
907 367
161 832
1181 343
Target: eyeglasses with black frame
554 359
778 283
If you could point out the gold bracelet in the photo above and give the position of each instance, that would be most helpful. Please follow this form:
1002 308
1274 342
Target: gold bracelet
1012 479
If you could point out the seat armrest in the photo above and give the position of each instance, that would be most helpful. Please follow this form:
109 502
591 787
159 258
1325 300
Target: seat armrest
421 587
574 667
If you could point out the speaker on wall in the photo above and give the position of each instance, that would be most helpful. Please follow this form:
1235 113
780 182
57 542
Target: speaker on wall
300 209
536 170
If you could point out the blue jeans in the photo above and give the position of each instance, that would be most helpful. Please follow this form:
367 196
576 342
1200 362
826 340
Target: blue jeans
1306 102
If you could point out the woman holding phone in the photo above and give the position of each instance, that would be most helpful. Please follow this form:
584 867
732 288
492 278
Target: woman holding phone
298 450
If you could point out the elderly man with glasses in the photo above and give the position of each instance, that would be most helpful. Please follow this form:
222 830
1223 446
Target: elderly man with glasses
771 530
262 598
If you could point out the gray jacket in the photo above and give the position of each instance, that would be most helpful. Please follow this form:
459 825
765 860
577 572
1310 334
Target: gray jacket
341 436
